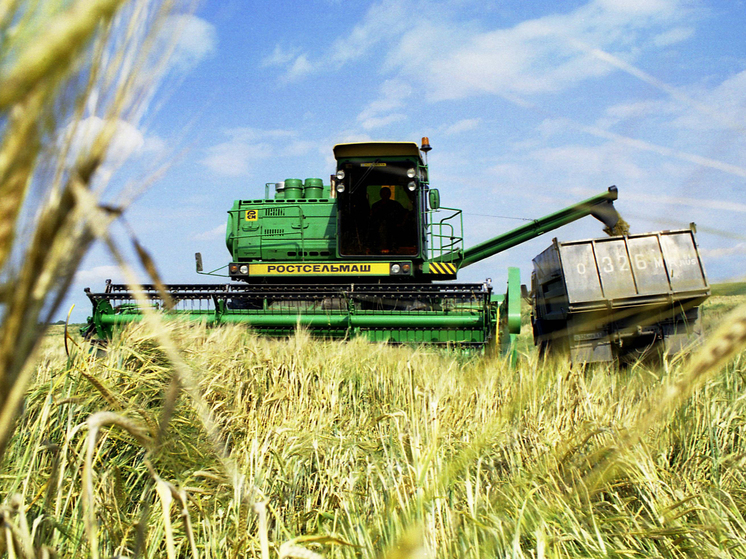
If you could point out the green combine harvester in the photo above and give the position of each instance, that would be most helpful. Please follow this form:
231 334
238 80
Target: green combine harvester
371 254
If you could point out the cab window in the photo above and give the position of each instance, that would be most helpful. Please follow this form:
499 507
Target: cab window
377 213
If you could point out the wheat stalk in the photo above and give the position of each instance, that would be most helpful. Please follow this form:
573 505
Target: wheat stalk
41 89
722 346
95 422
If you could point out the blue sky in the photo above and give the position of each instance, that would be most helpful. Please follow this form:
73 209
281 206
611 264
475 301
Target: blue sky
529 106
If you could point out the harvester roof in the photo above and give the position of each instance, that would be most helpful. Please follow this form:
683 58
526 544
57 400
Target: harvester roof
376 149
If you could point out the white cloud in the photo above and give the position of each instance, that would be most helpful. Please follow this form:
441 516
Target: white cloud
246 147
454 58
700 203
642 145
296 148
300 67
673 36
297 63
535 56
715 253
461 126
98 275
154 144
232 159
127 141
279 57
196 40
551 126
634 110
509 173
392 96
211 235
583 161
724 106
638 7
383 21
380 122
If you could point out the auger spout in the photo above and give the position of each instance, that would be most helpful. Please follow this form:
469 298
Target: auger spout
601 207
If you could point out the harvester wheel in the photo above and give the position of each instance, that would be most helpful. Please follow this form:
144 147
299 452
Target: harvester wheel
510 316
89 332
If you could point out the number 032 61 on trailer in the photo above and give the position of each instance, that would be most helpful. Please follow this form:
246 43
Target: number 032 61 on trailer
619 297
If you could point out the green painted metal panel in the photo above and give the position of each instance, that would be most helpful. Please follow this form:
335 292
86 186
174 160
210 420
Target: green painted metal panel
293 189
434 320
282 230
313 188
510 316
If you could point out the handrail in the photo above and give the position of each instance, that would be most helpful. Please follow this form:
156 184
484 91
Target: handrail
436 247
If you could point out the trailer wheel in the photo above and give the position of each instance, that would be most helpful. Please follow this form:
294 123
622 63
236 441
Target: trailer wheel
642 349
540 340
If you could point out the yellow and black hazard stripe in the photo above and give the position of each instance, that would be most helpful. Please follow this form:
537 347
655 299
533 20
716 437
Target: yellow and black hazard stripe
442 268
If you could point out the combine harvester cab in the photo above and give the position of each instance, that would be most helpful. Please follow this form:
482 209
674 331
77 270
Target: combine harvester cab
622 297
372 254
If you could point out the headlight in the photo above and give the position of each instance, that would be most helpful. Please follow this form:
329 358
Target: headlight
340 175
395 268
411 186
244 269
411 173
340 187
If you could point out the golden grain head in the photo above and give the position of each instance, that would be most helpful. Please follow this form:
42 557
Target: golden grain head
346 449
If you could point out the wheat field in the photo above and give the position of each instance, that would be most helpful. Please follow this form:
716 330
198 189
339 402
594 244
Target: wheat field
306 448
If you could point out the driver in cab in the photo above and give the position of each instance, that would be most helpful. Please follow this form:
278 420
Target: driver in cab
386 218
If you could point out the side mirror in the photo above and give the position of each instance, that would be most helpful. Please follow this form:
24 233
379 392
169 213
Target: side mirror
434 199
198 260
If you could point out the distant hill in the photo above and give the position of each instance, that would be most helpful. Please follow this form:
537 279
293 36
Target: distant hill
725 289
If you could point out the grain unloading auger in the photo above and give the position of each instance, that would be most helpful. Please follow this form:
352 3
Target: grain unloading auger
371 254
